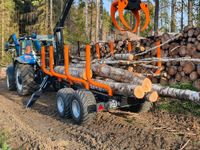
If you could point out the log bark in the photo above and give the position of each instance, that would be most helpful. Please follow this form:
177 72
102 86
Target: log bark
76 72
125 89
123 56
177 93
122 75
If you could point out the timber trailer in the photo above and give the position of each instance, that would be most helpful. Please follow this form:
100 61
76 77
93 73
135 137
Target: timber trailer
80 98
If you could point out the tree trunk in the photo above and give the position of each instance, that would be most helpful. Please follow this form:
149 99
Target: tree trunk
156 18
190 8
173 16
86 18
2 30
177 93
91 22
51 16
182 9
97 21
101 21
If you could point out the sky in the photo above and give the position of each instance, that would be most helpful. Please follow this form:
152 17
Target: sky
107 5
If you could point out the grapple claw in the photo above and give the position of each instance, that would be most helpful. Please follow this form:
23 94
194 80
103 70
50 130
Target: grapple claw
145 9
134 6
137 22
121 7
113 12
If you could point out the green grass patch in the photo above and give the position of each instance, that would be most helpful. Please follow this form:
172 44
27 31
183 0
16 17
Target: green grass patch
184 86
3 145
180 107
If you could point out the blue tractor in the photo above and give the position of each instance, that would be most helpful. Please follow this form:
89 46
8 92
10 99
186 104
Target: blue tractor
24 74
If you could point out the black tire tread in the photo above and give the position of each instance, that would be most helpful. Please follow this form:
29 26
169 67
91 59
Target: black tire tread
29 84
65 93
12 85
87 99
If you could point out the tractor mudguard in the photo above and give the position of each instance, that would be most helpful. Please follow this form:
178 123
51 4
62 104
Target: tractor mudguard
26 59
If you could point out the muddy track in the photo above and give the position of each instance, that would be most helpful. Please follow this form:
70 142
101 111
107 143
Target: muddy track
41 128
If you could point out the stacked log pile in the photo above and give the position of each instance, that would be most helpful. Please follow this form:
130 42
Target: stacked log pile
185 45
127 71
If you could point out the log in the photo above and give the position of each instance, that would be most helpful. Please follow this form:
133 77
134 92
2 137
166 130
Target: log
123 88
122 75
183 51
188 67
123 56
193 76
198 69
127 90
172 70
152 96
178 77
177 93
196 84
76 72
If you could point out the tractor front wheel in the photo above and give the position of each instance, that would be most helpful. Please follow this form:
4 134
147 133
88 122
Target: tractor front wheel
24 79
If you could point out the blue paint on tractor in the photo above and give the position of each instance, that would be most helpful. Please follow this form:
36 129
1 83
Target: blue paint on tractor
26 59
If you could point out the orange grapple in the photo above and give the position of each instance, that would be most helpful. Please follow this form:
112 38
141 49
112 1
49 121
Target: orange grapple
134 6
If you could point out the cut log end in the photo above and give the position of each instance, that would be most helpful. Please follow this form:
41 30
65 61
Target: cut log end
139 92
147 85
153 96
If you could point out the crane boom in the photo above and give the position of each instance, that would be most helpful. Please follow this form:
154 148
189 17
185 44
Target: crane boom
58 33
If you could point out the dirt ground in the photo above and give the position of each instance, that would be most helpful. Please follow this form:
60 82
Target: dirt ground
41 128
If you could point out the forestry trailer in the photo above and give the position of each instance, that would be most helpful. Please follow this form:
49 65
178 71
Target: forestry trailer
80 95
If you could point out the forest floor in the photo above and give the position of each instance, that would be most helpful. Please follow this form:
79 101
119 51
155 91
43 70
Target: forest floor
41 128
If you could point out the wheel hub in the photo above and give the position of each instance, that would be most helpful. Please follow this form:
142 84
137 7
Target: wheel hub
7 81
76 108
60 104
19 80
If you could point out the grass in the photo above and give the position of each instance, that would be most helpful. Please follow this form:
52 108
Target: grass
3 145
184 86
181 107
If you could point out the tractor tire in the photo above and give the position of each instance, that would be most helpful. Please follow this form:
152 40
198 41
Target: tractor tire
24 79
10 78
64 101
83 106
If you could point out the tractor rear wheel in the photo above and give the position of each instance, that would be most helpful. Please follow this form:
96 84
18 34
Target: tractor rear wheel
63 102
83 106
24 79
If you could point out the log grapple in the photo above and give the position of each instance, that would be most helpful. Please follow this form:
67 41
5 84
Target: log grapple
134 6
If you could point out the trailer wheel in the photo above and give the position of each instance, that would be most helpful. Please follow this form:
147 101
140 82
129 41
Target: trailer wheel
63 102
83 106
10 78
24 79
